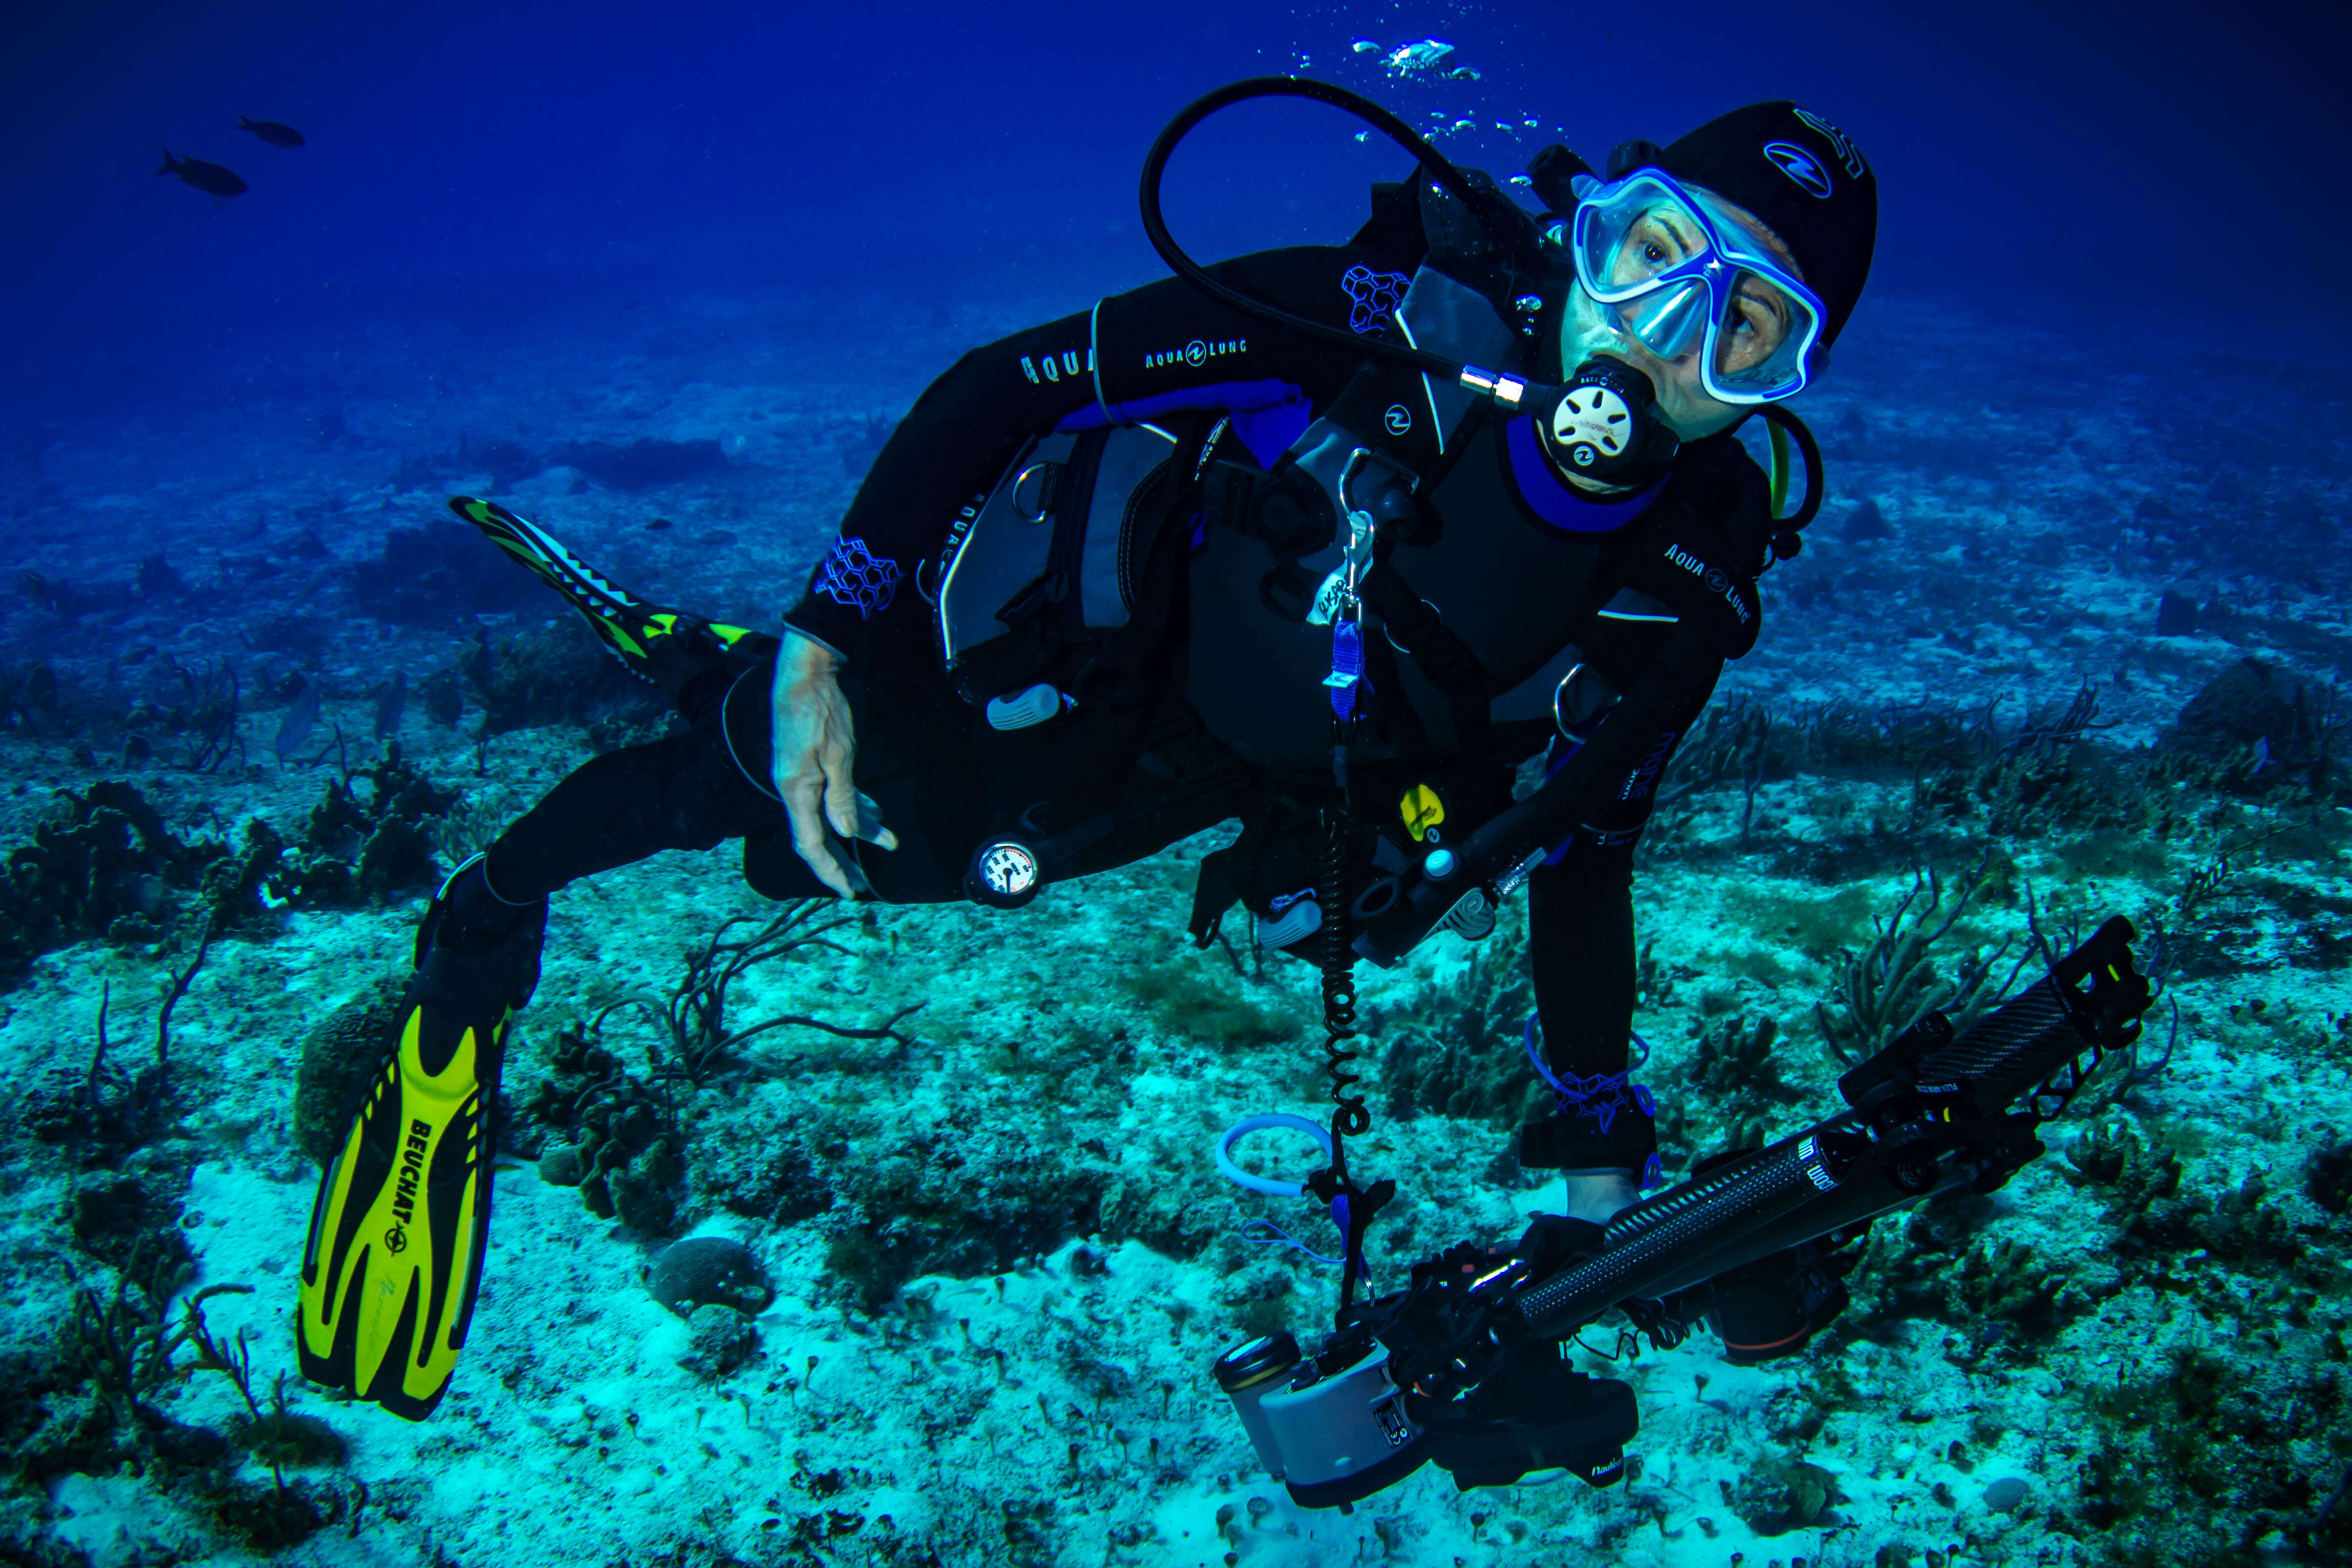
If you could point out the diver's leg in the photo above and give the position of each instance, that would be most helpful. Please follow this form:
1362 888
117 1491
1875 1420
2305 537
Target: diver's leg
1580 954
682 792
1601 1141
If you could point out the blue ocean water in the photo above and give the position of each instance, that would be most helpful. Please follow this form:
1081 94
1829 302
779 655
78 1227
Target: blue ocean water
2070 636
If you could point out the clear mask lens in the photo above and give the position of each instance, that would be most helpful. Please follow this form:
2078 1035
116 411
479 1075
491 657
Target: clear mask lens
1669 321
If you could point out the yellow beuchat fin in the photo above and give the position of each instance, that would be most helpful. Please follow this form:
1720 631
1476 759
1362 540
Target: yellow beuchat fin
394 1258
401 1226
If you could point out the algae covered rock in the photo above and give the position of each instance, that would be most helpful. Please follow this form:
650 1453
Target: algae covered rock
724 1340
706 1271
340 1058
2255 725
130 1219
932 1203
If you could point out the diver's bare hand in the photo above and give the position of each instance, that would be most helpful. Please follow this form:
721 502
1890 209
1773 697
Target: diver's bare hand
812 750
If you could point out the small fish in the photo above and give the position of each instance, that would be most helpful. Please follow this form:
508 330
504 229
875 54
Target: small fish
1365 47
302 715
392 705
1408 59
2262 758
658 525
209 178
269 131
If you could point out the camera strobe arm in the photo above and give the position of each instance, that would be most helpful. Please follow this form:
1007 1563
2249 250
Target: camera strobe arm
1922 1127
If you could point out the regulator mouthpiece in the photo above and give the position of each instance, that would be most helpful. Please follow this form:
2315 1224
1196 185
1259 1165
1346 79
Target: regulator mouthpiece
1605 426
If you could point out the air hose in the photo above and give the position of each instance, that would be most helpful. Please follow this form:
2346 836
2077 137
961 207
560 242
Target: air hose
1507 390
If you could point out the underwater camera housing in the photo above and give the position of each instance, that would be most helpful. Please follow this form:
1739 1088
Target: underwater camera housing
1466 1367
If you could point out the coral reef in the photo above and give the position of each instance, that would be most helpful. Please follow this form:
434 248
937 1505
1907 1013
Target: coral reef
942 1202
100 864
1894 982
619 1136
1459 1054
1189 996
366 845
436 575
558 676
1734 1061
724 1339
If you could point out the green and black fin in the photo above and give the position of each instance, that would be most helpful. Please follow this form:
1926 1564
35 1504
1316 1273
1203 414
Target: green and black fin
392 1264
657 644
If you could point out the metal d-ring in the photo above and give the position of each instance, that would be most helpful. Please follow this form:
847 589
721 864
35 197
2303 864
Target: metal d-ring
1391 636
1052 473
1566 689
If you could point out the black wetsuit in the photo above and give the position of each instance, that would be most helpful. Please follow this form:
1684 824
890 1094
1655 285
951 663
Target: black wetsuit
944 779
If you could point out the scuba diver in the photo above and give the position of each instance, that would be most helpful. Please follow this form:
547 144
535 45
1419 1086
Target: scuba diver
1328 539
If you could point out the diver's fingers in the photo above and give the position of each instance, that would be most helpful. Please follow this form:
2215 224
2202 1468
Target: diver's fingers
837 755
804 807
869 823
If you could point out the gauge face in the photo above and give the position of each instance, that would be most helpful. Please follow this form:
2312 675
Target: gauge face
1008 869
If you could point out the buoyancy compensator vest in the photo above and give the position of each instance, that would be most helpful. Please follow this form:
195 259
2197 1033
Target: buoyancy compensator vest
1056 562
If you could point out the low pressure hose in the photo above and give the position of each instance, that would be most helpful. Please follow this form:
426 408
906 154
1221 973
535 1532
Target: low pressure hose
1507 390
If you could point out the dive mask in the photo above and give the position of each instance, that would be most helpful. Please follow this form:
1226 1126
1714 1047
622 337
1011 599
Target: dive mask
1682 274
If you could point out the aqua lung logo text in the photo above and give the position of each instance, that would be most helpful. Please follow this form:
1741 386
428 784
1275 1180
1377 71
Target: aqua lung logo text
1717 581
1053 367
1799 165
956 530
1197 352
1849 157
1643 777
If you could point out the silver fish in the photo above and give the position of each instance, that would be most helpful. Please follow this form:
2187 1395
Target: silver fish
302 717
392 705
